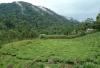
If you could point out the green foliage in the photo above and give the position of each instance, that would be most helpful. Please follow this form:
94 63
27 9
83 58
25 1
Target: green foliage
98 16
42 36
97 24
2 26
0 45
76 66
85 49
48 21
37 65
18 25
82 33
85 65
33 33
89 23
8 23
88 65
68 30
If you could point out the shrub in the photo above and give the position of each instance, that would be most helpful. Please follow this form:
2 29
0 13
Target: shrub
37 65
42 36
76 66
88 65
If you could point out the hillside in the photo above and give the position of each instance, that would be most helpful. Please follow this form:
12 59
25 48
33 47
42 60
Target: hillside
21 20
37 17
19 54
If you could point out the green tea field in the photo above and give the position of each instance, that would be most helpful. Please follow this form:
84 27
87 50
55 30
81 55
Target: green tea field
19 54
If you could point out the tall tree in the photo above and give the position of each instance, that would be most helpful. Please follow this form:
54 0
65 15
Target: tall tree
25 29
98 16
8 23
89 23
2 27
97 22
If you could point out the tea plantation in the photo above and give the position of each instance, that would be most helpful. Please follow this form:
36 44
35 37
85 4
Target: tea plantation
19 54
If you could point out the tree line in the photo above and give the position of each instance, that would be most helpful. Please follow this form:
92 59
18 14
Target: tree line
17 26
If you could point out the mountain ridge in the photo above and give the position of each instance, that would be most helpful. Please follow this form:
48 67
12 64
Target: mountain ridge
38 17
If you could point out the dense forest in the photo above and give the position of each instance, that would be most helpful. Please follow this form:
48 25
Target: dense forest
22 20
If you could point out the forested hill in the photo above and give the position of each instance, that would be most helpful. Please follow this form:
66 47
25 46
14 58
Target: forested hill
38 17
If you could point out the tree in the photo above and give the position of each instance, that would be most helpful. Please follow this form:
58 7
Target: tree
33 33
98 16
8 23
68 30
13 34
2 26
25 29
80 27
97 24
89 20
89 23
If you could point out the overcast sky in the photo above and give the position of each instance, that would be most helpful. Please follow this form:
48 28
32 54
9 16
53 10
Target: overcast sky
78 9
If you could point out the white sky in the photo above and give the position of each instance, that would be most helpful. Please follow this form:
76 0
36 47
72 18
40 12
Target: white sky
78 9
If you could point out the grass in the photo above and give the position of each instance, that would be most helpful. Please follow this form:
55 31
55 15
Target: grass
19 54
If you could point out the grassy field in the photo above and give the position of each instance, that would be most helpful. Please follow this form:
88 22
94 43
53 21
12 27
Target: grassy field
19 54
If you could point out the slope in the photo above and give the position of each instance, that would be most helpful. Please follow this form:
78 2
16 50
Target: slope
19 54
38 17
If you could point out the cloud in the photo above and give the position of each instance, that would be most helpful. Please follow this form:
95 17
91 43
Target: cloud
78 9
22 9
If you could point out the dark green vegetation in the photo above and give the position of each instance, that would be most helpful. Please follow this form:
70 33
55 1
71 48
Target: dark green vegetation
22 20
60 38
39 17
19 54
